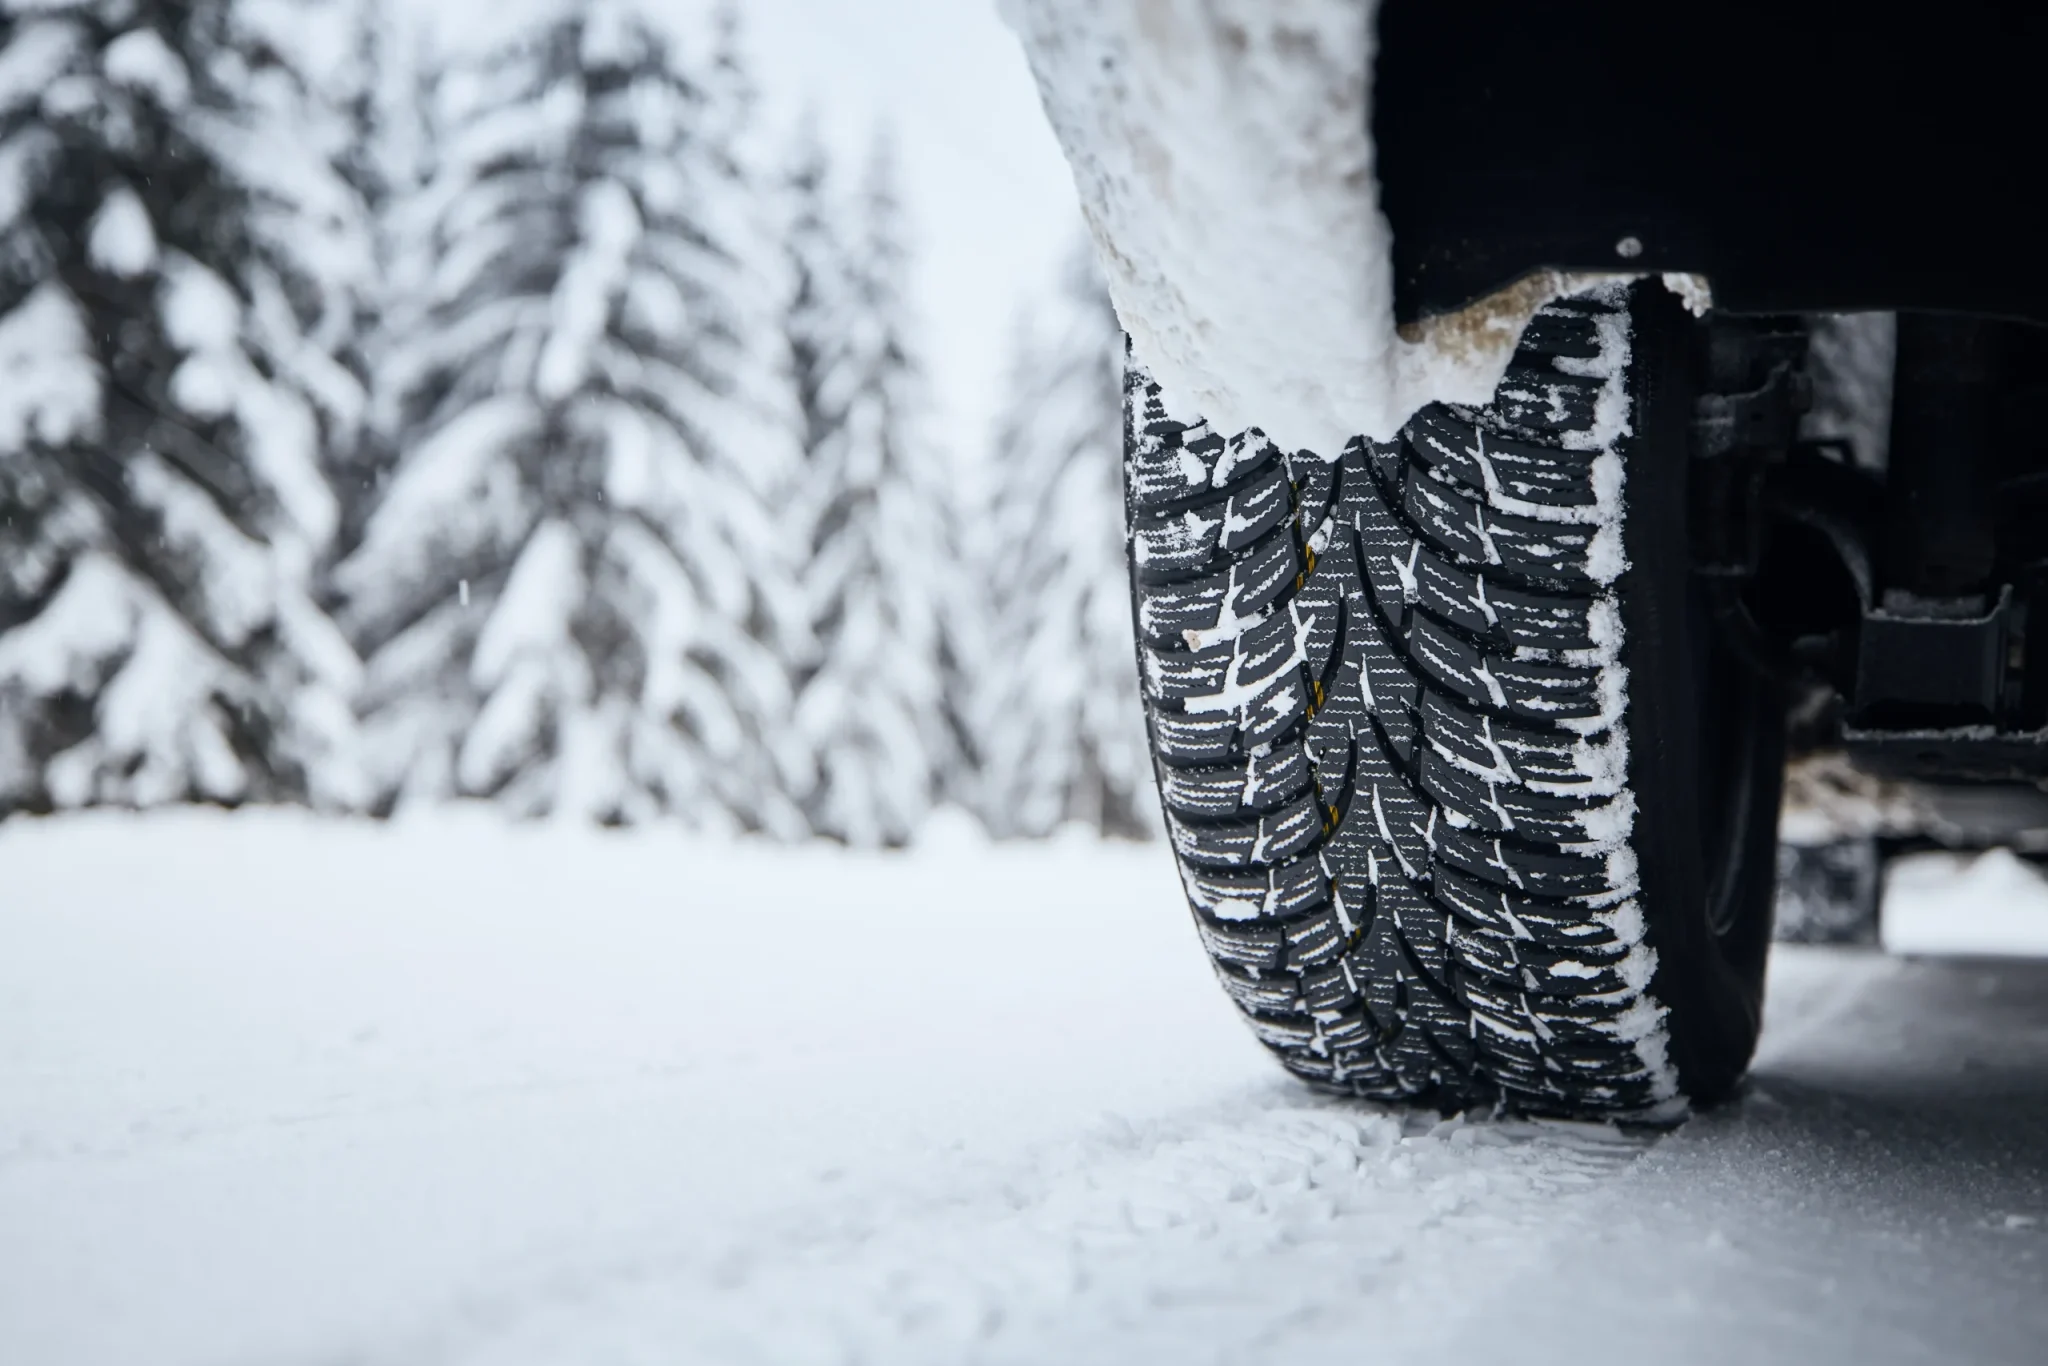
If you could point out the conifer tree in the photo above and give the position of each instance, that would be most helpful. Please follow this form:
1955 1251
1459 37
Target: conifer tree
175 260
564 586
383 92
1059 725
871 708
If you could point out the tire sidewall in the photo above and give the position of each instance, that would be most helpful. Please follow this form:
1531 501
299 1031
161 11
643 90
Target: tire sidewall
1710 984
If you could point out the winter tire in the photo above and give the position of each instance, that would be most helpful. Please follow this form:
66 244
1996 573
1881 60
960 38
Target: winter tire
1470 805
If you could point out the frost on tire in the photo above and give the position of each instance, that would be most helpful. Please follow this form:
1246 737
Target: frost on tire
1387 698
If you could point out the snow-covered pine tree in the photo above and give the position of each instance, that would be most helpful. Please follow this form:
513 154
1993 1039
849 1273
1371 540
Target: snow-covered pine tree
380 87
871 707
174 256
382 90
563 590
762 447
1061 733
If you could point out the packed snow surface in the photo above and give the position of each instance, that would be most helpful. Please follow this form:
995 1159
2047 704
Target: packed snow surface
276 1090
1223 157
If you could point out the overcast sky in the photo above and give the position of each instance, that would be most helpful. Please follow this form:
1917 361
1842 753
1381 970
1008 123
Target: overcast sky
994 201
992 207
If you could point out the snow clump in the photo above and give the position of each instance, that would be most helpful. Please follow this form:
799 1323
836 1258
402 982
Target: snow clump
1224 161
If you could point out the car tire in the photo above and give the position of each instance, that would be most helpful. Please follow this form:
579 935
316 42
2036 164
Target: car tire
1471 806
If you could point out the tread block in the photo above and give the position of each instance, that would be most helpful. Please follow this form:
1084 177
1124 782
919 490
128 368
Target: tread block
1349 1029
1603 1063
1276 838
1236 592
1446 1024
1421 925
1372 683
1188 536
1473 799
1362 1072
1172 675
1386 820
1177 543
1263 652
1513 1042
1317 940
1383 458
1354 901
1558 332
1566 927
1315 483
1259 948
1453 520
1242 454
1312 1069
1170 611
1320 613
1332 752
1538 397
1266 650
1553 817
1531 689
1563 692
1553 874
1261 782
1276 711
1386 550
1168 466
1274 564
1503 808
1330 991
1587 1017
1487 461
1468 735
1191 466
1272 894
1256 508
1546 1022
1535 967
1519 754
1410 1055
1183 739
1381 970
1501 610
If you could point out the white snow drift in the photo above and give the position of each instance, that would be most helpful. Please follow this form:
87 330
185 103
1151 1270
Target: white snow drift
1223 157
282 1090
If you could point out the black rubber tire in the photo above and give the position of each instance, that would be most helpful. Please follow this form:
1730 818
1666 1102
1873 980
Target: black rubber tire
1468 814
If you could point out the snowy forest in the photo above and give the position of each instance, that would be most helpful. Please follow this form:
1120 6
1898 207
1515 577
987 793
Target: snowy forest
542 425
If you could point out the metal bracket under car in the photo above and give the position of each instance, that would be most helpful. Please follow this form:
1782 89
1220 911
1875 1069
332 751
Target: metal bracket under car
1894 609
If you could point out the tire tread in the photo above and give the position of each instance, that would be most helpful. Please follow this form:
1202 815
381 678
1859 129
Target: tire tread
1380 740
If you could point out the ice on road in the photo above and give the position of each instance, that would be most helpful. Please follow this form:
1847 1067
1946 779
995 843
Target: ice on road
277 1090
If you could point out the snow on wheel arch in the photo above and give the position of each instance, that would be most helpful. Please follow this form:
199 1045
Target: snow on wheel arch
1222 153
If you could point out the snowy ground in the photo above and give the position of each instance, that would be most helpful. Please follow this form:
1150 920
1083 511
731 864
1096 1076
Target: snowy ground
273 1091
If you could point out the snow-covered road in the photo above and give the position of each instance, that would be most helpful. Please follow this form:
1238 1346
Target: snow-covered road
279 1091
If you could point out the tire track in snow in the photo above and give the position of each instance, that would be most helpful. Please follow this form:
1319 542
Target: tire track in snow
1202 1238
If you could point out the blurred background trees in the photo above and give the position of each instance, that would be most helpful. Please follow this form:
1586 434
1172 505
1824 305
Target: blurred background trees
533 424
